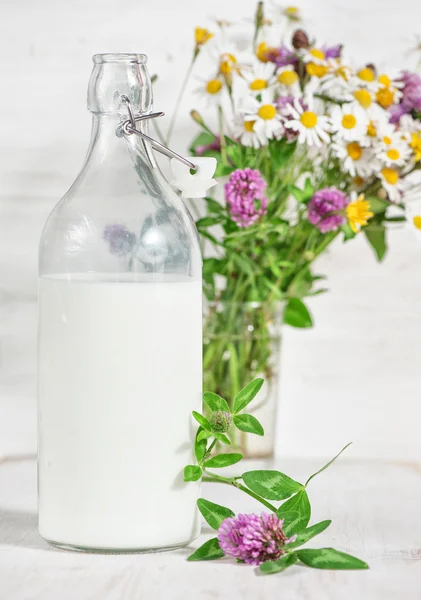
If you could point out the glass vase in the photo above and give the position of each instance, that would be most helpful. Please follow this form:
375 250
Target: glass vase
242 342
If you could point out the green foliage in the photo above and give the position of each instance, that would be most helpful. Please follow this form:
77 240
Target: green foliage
297 314
376 236
272 485
263 485
213 513
328 558
296 513
248 423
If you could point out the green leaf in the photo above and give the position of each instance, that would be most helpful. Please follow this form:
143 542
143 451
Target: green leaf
222 438
329 558
202 421
192 473
376 236
223 460
296 513
377 205
307 534
302 195
272 485
276 566
204 435
214 514
209 551
215 402
249 424
207 222
213 206
247 394
296 314
327 464
203 139
199 446
349 234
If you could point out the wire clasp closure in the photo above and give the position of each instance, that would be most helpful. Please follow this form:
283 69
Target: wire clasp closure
128 127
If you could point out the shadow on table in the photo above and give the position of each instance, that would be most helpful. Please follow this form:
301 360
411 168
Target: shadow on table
20 529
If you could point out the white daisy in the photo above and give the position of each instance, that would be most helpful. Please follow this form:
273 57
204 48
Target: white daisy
365 78
244 131
212 90
287 81
314 55
312 128
349 122
335 83
388 92
264 114
357 160
392 183
396 153
259 77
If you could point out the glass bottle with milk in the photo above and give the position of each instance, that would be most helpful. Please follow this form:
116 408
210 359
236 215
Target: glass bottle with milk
119 340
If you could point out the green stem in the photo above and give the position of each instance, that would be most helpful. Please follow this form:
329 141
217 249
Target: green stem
179 99
221 134
212 478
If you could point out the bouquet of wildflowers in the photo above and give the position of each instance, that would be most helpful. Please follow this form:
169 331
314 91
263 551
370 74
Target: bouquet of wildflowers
311 148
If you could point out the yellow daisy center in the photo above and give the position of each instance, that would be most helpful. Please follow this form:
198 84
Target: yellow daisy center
354 150
366 74
213 86
342 72
358 181
387 140
417 221
288 77
267 112
358 213
258 84
262 52
317 53
227 63
249 125
385 97
390 175
393 154
292 10
371 129
363 97
316 70
416 145
202 36
349 121
384 80
309 119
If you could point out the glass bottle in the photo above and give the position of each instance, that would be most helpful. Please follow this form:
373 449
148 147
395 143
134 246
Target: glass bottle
119 340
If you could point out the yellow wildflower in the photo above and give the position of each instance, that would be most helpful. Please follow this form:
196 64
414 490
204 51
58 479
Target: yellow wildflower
358 213
416 145
202 36
315 70
417 221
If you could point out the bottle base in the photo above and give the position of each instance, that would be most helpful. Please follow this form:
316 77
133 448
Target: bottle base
97 550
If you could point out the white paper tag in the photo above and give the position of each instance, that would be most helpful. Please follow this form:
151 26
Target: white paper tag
197 184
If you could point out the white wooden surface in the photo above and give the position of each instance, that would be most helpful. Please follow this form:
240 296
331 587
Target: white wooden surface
375 508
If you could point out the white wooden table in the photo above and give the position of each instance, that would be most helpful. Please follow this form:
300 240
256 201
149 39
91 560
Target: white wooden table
376 513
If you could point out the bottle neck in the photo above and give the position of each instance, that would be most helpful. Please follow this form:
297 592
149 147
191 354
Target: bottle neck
117 75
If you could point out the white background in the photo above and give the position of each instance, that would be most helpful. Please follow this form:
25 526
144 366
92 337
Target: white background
356 375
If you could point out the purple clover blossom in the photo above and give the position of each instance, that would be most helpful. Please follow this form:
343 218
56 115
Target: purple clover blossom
253 538
282 56
323 207
120 239
215 145
245 197
411 99
332 51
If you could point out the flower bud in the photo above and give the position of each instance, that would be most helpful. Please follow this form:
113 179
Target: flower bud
308 256
300 39
220 421
196 116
